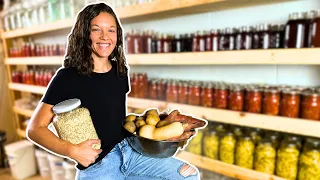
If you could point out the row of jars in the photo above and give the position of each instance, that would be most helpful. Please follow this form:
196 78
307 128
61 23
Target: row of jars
121 3
288 156
31 49
39 77
27 14
288 101
263 36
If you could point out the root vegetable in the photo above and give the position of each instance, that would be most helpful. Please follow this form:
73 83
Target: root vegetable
152 119
166 132
139 123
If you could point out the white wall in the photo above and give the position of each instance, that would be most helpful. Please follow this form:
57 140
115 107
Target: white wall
273 74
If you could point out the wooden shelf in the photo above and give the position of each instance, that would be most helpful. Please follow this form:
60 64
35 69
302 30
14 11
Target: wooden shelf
48 60
21 133
27 88
5 174
25 112
308 56
276 123
224 168
148 11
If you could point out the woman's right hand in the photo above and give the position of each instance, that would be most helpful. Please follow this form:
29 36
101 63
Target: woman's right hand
84 154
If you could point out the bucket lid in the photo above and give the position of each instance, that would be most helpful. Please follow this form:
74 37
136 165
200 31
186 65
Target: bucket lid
16 146
66 106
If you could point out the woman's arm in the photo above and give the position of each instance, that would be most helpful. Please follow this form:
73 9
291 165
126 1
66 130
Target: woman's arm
38 132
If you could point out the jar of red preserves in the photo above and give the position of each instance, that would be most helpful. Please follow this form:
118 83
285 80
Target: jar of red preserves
152 89
194 94
315 33
271 101
214 40
161 89
207 95
295 31
290 103
253 100
220 96
236 98
310 105
183 93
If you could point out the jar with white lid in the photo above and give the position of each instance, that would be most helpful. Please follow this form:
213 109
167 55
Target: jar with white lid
73 123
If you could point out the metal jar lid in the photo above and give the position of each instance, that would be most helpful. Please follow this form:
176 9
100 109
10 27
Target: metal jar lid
66 106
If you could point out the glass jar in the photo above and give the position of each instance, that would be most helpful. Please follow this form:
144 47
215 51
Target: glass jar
245 151
73 122
138 42
256 37
253 100
211 143
195 144
220 96
276 36
290 103
215 35
152 89
275 138
244 39
237 131
309 162
295 139
174 92
206 95
220 128
256 135
166 43
236 98
287 160
176 44
208 42
308 35
194 94
161 89
264 36
229 39
271 102
265 157
53 10
221 40
183 93
315 31
310 105
227 147
295 31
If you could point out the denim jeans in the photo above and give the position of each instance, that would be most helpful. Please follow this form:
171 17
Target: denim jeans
124 163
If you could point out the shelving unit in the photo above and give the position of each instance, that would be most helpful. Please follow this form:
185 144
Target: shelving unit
224 168
168 8
5 174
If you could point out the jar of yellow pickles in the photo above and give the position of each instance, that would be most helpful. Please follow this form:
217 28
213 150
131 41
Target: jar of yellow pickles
227 147
245 151
309 163
265 157
211 143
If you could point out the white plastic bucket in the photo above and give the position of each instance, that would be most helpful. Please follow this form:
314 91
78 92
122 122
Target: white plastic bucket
22 159
43 163
57 171
70 170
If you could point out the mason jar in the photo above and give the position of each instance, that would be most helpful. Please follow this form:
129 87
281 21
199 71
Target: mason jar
309 162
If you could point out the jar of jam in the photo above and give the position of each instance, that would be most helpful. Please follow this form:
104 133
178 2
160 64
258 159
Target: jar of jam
138 43
265 32
176 44
229 39
244 39
199 42
161 89
271 102
206 95
256 37
183 93
189 42
147 42
130 42
253 100
290 103
310 105
194 94
152 89
275 37
308 35
220 97
160 42
154 42
222 39
141 86
295 31
214 36
166 43
315 35
236 98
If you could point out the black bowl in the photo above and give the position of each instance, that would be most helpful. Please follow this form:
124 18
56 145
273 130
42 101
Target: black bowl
154 148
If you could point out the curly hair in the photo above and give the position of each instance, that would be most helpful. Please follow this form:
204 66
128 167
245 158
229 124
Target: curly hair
79 49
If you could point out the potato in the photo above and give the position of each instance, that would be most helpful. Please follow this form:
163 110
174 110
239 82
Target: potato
139 123
152 112
130 126
152 119
169 131
131 118
147 131
140 118
162 123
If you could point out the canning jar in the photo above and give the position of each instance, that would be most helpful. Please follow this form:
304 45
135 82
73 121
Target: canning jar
310 105
195 145
227 147
152 89
220 128
309 162
177 43
237 131
276 36
194 94
256 135
275 138
290 103
315 31
206 95
220 96
161 89
265 157
264 36
287 160
154 41
73 122
236 98
222 39
271 101
208 43
215 40
183 93
311 15
166 43
245 151
211 143
295 31
253 100
244 38
295 139
256 37
172 92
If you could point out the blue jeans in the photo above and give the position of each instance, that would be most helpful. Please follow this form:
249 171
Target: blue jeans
124 163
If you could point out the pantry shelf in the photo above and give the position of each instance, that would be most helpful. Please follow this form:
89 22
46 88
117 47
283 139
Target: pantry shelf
24 112
27 88
21 133
308 56
276 123
224 168
147 11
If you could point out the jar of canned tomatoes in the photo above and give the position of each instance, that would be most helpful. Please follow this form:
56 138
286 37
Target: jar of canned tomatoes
206 95
183 92
310 105
194 94
290 103
236 98
220 96
253 100
271 101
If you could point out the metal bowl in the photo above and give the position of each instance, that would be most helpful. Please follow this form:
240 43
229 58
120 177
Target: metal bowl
154 148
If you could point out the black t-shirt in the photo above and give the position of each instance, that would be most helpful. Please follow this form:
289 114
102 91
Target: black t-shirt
103 94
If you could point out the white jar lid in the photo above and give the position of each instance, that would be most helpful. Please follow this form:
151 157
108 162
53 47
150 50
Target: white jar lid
66 106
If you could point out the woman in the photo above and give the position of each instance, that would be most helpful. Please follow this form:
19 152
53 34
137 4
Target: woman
95 72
